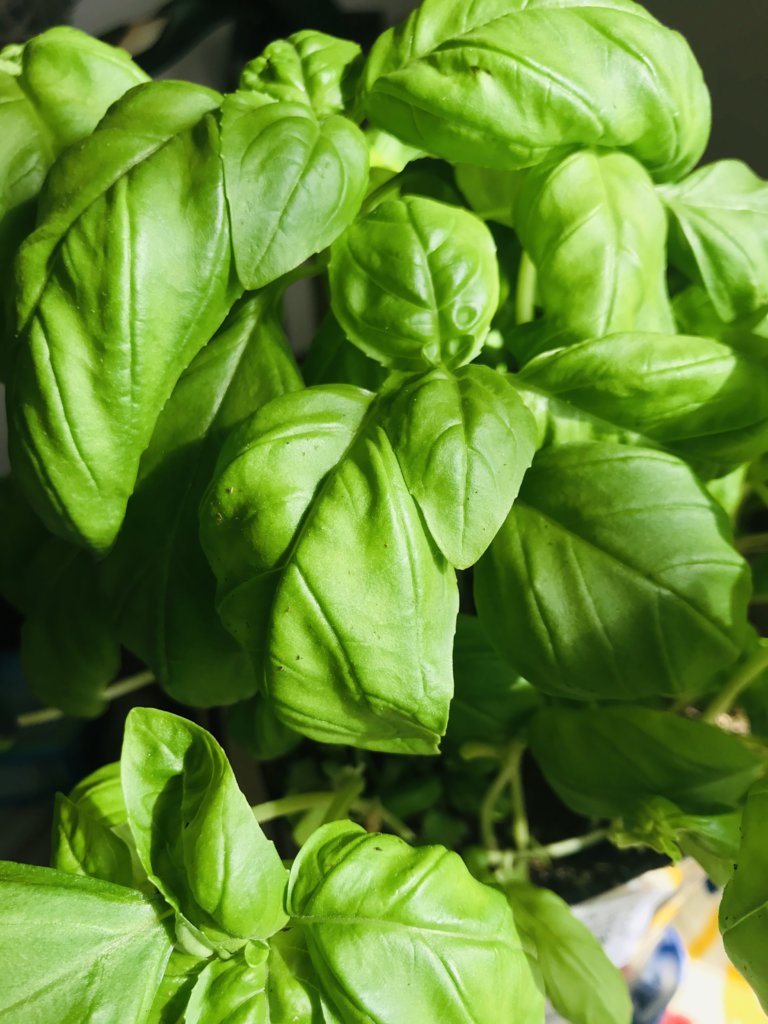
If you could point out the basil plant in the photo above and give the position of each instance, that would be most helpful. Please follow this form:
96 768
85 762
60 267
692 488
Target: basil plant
494 546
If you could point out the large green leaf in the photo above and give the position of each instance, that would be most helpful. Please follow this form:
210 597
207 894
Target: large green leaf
464 441
744 909
414 283
497 83
614 576
125 279
69 650
308 67
399 934
161 587
580 981
595 230
325 571
293 182
605 761
77 950
699 398
195 832
53 91
720 234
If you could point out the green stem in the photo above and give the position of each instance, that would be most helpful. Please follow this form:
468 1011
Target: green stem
747 673
525 294
297 803
509 769
565 847
119 689
521 833
752 544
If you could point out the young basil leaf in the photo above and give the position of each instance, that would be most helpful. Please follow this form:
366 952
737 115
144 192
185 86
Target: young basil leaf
157 577
293 183
356 640
496 84
603 761
581 982
77 950
614 576
333 360
308 67
414 283
491 702
125 279
449 943
175 988
595 230
195 833
719 234
53 92
69 651
464 441
100 795
744 908
255 727
82 845
696 397
231 991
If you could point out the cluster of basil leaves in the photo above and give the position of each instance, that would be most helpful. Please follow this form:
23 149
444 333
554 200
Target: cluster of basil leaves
505 380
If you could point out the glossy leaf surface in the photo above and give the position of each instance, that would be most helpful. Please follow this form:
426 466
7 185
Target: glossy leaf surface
699 398
450 944
495 83
580 981
744 909
614 576
464 441
161 586
124 280
595 230
77 950
356 639
293 183
720 234
414 283
195 832
603 761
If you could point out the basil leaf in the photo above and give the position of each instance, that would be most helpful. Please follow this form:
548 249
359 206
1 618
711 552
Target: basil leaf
160 585
596 231
450 943
124 280
414 283
464 441
77 950
100 795
53 91
82 845
700 399
496 84
491 194
294 990
308 67
333 360
744 908
603 761
175 988
255 727
21 538
230 992
719 217
581 982
69 651
356 646
293 183
613 577
195 833
491 702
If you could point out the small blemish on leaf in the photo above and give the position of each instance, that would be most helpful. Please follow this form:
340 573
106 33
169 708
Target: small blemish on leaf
230 490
